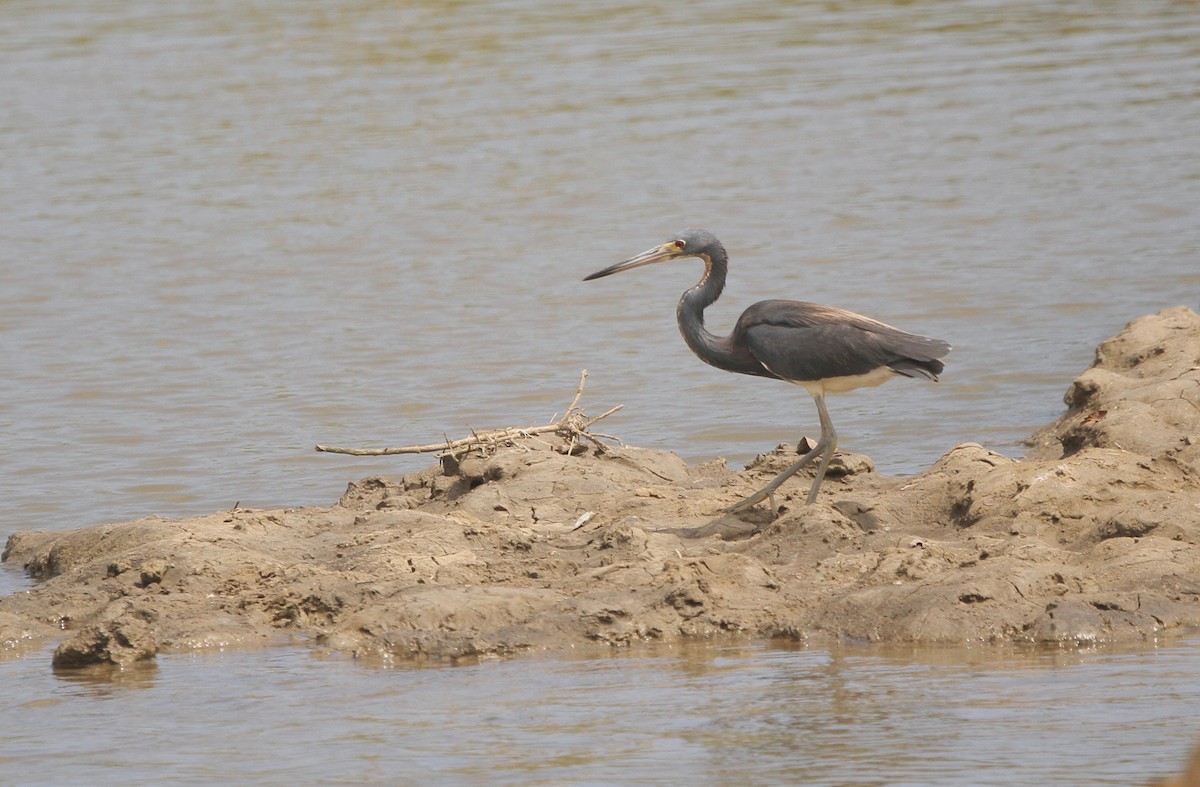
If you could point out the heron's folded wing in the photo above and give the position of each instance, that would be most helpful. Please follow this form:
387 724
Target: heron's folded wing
816 352
807 341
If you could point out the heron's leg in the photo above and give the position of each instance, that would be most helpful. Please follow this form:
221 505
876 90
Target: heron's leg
769 489
825 445
829 438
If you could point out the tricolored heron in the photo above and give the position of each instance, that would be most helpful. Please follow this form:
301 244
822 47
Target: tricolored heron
824 349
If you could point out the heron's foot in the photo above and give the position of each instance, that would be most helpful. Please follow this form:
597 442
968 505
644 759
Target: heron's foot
767 493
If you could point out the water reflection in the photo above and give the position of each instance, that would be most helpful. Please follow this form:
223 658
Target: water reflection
109 680
713 714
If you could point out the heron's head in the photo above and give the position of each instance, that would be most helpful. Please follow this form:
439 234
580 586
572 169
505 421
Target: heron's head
689 243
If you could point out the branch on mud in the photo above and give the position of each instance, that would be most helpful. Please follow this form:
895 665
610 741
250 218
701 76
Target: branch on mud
573 427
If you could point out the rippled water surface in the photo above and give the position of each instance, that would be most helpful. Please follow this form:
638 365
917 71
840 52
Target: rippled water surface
230 231
695 716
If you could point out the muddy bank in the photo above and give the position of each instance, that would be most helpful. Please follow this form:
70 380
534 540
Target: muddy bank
1095 537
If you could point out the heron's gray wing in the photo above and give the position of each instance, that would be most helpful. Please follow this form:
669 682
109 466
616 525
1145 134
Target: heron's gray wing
815 352
807 341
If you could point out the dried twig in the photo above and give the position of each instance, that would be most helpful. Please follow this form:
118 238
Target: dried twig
573 426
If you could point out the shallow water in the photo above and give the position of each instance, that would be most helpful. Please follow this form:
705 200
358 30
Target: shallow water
231 231
695 715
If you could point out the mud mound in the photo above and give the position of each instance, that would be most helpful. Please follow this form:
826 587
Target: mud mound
1094 538
1142 394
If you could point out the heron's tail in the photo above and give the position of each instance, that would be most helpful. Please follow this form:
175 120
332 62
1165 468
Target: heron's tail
922 358
910 367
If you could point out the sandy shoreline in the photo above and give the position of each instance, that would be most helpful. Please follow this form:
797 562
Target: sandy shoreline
1093 537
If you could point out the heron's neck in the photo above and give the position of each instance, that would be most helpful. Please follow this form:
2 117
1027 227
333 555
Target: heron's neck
690 312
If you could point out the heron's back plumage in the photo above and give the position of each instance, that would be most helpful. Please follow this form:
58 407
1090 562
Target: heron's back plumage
807 342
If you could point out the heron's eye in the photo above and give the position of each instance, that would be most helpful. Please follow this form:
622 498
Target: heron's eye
680 244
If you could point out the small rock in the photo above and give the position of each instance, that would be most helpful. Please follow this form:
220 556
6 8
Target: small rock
121 642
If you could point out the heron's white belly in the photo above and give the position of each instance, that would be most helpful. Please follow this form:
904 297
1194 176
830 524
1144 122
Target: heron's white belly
849 383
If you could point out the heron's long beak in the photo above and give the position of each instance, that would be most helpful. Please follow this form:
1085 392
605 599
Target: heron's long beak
661 253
